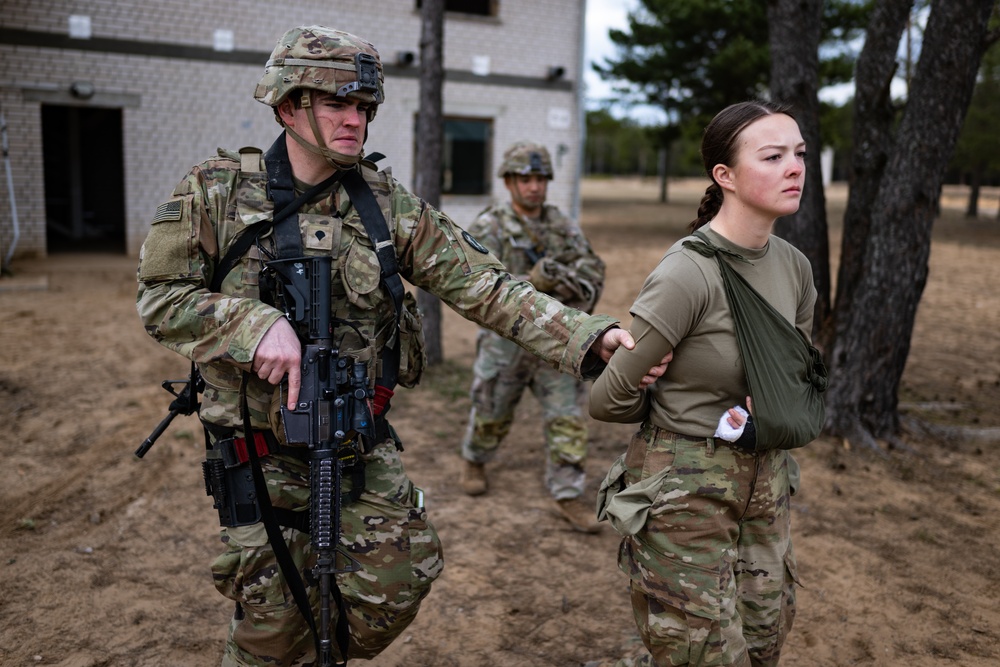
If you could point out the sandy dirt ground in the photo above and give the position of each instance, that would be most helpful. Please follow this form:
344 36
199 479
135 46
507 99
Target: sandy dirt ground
104 558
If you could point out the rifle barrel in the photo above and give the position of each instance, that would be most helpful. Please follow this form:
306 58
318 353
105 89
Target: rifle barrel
157 432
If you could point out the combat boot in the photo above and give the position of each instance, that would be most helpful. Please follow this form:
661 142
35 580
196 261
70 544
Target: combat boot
581 517
473 478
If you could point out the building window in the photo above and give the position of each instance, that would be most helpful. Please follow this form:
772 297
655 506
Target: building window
465 162
477 7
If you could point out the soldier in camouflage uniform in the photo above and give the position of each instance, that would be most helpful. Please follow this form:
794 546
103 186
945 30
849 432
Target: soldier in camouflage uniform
705 521
324 87
536 242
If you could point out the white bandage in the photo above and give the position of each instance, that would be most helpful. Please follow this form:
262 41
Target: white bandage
727 432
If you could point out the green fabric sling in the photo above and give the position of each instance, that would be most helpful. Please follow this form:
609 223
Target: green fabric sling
786 375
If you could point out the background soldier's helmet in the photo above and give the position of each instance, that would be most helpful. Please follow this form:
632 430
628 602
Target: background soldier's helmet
525 157
323 59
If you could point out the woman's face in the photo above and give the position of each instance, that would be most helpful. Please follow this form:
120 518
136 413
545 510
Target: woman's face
770 166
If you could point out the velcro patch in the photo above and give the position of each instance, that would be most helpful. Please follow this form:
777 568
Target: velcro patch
168 212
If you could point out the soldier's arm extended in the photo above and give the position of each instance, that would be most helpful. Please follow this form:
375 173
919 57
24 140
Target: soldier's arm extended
447 261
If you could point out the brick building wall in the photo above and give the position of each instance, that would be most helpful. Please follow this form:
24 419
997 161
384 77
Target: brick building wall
179 99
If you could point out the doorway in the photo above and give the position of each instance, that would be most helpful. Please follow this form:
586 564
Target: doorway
84 179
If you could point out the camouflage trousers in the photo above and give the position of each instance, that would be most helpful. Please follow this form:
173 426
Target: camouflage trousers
390 537
711 568
501 373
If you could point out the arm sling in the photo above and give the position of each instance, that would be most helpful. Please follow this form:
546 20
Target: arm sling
785 373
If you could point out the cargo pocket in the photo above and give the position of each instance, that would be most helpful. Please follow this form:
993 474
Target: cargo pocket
412 354
627 507
398 550
361 273
683 608
247 571
788 595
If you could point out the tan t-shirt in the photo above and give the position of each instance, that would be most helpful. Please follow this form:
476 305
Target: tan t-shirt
683 307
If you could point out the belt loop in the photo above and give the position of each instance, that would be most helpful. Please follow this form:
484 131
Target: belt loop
710 447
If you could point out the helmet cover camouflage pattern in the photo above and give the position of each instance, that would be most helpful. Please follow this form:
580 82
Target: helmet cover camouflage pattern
525 157
322 59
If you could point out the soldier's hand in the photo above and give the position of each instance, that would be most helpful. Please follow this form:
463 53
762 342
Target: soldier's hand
541 275
657 371
280 353
612 339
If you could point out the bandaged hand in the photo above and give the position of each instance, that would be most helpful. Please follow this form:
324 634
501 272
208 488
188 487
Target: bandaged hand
726 430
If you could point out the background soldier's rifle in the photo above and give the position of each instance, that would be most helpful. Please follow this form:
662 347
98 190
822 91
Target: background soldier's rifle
332 416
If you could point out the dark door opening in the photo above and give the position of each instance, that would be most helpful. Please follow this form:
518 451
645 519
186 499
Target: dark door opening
84 179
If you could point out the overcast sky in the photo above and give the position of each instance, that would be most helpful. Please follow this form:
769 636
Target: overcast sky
602 15
605 14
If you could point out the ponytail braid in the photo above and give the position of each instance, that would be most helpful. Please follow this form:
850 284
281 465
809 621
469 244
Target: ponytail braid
709 207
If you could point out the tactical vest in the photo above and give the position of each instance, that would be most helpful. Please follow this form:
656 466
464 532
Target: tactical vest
356 286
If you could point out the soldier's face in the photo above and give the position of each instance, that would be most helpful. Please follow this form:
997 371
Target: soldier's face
527 192
770 168
341 122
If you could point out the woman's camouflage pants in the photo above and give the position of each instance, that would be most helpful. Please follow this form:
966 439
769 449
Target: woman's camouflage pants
712 572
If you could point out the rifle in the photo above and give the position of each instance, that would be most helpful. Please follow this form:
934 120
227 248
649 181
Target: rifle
185 403
332 417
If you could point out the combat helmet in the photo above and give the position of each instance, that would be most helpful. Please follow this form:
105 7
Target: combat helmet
318 58
525 157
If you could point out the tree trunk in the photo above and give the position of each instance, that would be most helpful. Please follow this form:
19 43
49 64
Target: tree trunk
794 30
972 210
874 116
888 275
430 140
663 167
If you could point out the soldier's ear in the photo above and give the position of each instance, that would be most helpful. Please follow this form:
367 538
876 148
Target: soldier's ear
285 112
723 175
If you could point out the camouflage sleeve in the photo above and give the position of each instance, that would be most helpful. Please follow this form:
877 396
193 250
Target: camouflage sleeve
438 256
175 269
486 229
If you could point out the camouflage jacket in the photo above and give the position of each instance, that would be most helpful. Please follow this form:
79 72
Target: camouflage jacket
519 243
220 331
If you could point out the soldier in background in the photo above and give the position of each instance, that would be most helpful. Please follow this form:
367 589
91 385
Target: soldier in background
324 87
537 243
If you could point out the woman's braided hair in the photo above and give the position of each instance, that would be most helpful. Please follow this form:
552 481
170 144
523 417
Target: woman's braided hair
720 143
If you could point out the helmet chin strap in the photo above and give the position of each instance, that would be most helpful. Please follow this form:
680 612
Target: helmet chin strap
332 157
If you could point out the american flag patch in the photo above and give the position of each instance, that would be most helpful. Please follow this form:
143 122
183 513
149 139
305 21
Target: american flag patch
168 211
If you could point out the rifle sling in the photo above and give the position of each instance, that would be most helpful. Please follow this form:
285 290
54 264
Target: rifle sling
281 553
378 231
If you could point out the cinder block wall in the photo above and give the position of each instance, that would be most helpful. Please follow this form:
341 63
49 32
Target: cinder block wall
177 110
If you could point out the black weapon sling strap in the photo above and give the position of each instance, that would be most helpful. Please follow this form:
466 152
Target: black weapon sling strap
378 231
